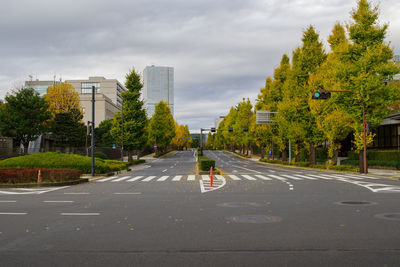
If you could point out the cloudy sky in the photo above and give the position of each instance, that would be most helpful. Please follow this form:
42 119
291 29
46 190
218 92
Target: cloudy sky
222 50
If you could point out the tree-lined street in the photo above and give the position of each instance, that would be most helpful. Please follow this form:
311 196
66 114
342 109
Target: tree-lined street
157 216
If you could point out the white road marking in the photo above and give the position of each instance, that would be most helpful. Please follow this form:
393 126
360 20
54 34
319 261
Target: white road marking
291 177
77 193
148 179
135 179
58 201
248 177
234 177
320 176
8 201
191 177
107 179
246 169
129 193
177 178
165 170
262 177
206 186
220 177
30 191
271 171
277 177
13 213
80 214
205 177
162 178
121 179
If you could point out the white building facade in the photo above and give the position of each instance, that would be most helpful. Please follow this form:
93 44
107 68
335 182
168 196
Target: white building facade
158 84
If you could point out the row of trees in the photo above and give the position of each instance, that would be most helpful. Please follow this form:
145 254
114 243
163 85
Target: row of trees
25 116
359 62
134 131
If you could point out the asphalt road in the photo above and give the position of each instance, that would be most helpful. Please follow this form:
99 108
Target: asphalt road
162 214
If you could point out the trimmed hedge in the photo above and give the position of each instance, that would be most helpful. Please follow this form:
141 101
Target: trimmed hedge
377 163
29 175
383 155
206 163
58 160
100 155
242 155
316 166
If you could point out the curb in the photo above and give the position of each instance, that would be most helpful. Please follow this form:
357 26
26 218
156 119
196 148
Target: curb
74 182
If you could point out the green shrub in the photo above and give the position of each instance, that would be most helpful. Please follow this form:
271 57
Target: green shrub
322 154
242 155
344 168
301 164
100 155
376 163
318 166
388 155
206 163
60 161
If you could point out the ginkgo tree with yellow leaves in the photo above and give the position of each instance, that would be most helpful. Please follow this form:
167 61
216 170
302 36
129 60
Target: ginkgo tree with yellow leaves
62 98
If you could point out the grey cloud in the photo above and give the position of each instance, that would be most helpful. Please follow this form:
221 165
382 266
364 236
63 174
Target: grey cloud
221 50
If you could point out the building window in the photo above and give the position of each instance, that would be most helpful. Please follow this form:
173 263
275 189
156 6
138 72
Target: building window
87 88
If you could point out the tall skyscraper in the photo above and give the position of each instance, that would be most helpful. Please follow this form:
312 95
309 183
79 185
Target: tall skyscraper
158 84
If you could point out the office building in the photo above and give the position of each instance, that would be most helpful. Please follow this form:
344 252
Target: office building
158 85
108 96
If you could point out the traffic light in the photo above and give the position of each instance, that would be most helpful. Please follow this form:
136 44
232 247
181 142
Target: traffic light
246 129
230 129
321 94
213 130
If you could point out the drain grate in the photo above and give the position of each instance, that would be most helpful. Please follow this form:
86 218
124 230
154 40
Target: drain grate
238 204
351 203
255 219
389 216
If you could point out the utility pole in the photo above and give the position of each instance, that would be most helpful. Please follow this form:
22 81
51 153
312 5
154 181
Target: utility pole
122 134
93 110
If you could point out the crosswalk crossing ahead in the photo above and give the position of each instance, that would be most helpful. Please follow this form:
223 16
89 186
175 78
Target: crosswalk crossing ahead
236 177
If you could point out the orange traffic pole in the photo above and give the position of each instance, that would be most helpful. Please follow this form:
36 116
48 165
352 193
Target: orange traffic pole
211 177
39 177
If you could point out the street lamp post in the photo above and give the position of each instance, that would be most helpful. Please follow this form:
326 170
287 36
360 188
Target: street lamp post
93 110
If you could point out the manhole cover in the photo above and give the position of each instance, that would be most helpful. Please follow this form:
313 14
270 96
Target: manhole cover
255 219
389 216
239 204
365 203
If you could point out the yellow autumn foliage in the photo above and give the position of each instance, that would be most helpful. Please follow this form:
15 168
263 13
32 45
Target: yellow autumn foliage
62 98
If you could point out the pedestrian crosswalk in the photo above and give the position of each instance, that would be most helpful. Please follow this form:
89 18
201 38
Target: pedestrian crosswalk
236 177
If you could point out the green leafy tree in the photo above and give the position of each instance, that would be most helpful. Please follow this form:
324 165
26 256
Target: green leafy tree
132 119
161 127
365 66
210 141
68 129
242 121
103 134
24 116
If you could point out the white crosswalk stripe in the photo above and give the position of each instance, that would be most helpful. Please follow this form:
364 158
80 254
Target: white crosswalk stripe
263 177
191 177
135 178
148 179
106 179
177 178
291 177
321 176
234 177
121 179
305 177
248 177
162 178
219 177
277 177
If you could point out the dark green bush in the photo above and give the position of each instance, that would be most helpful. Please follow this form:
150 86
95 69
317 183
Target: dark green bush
301 164
387 155
344 168
57 160
318 166
242 155
100 155
322 154
206 163
376 163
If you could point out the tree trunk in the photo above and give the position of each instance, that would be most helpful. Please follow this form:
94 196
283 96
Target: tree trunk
262 151
26 145
272 150
284 155
130 159
312 154
362 161
137 154
335 156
